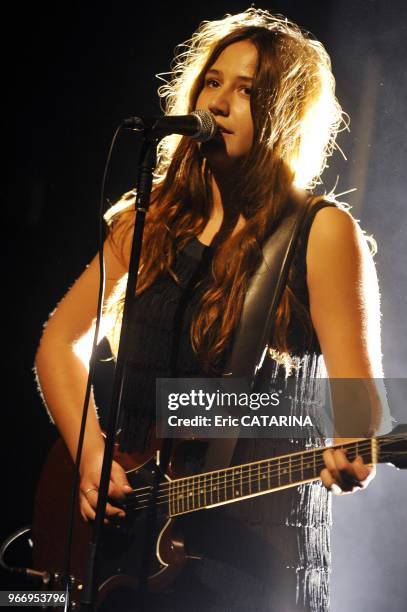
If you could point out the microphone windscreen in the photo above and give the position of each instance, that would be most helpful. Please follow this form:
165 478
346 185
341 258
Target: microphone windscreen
208 125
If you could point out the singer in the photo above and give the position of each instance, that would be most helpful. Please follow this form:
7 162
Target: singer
271 91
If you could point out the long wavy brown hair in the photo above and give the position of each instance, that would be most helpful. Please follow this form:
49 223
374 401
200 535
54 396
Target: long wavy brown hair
296 118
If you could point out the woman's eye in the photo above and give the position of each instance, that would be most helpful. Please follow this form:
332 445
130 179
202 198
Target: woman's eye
211 83
247 90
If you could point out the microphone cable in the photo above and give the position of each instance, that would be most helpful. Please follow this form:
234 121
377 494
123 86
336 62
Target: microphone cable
92 363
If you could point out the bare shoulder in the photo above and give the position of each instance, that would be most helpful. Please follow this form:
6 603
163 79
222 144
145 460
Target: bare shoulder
332 223
335 237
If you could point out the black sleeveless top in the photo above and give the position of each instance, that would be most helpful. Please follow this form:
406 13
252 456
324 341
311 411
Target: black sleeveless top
272 548
161 321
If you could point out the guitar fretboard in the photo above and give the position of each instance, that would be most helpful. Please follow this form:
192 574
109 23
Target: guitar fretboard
242 481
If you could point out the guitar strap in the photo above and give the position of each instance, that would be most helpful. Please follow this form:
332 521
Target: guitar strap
263 296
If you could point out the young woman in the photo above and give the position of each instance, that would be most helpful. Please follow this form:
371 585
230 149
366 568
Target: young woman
271 90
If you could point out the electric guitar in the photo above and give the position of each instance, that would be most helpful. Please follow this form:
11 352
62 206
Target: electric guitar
147 547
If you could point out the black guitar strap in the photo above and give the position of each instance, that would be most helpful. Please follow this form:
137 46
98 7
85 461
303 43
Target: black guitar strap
265 291
260 305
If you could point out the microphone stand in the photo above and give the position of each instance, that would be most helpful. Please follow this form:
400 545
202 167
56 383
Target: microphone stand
146 166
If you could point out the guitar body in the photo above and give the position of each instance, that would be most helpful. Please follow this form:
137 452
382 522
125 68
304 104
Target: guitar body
143 549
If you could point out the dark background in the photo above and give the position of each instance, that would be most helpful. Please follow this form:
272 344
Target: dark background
74 70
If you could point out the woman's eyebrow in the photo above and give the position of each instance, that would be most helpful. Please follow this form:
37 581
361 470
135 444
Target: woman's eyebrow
242 77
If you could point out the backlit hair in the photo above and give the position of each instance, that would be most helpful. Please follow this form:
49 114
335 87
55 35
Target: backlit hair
303 113
296 117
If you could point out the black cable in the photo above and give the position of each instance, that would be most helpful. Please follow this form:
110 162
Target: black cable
92 364
26 572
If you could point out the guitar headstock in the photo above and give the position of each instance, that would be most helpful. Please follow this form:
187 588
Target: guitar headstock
393 447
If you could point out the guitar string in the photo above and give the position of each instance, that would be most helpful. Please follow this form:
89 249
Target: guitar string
244 480
203 490
166 486
187 496
286 462
367 444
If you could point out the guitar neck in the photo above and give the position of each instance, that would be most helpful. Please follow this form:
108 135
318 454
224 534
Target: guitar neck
239 482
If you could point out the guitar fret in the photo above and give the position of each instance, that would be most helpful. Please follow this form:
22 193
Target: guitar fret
308 465
236 487
243 482
227 483
187 493
249 480
201 492
284 473
195 492
262 478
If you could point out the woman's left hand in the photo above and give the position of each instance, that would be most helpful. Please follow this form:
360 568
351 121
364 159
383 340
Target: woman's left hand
342 476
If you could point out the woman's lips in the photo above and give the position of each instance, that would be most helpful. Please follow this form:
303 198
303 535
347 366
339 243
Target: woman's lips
220 134
224 130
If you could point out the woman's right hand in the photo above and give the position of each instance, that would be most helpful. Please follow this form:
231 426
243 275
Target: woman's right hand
91 468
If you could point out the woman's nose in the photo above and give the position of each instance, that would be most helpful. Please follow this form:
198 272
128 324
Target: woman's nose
219 104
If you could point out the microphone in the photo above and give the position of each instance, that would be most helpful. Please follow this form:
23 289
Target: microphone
199 125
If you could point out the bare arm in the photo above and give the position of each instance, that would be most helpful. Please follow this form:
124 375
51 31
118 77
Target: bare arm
62 375
345 310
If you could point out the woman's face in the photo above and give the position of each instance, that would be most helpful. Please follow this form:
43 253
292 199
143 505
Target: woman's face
226 94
